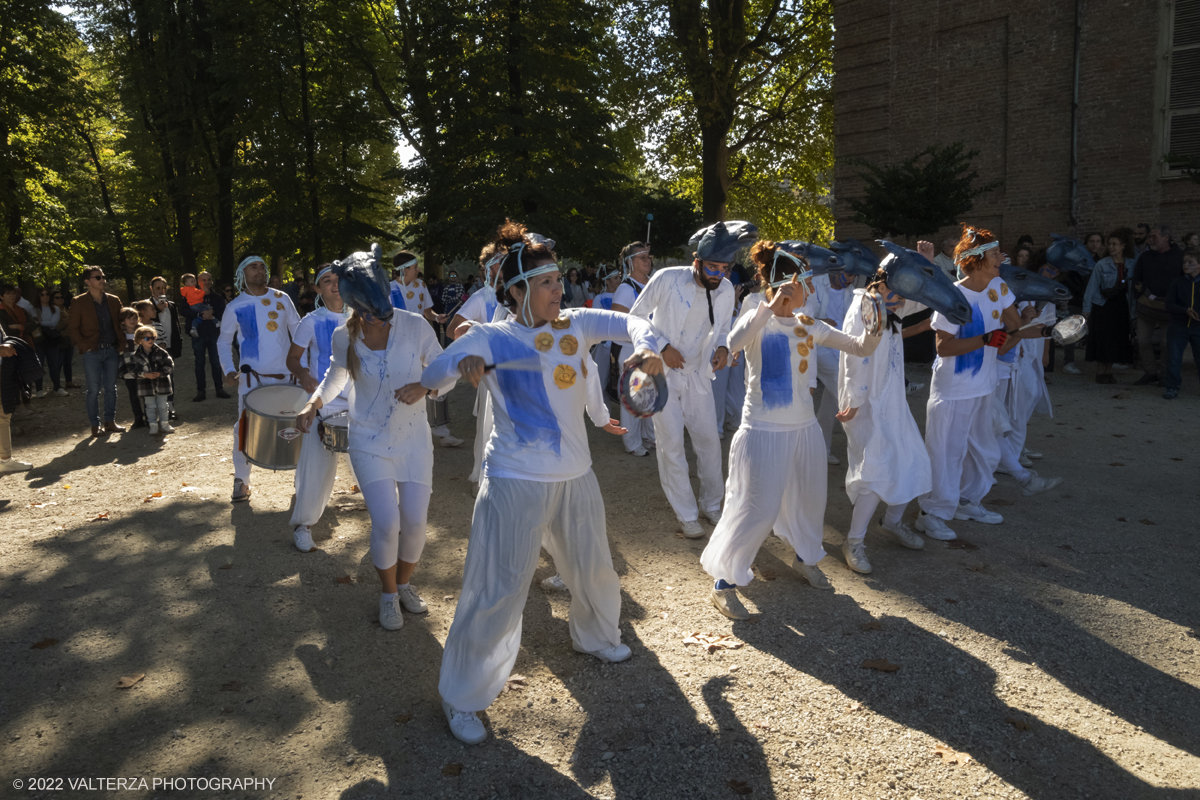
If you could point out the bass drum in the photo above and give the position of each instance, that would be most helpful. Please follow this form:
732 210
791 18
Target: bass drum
269 436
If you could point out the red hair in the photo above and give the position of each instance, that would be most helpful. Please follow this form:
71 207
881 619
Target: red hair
971 237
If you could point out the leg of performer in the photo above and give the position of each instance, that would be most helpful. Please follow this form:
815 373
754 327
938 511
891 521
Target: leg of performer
982 456
315 474
506 536
241 467
894 514
483 431
864 509
801 521
946 421
672 459
698 417
720 385
577 541
825 407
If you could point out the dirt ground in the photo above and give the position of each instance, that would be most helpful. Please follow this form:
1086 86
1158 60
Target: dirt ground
1054 657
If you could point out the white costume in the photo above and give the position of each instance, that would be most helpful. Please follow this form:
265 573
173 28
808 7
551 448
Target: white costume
887 457
959 432
1022 391
778 477
681 318
391 448
413 297
482 307
639 431
831 304
265 325
317 468
538 490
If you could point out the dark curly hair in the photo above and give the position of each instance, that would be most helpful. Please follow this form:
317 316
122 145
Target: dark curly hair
506 236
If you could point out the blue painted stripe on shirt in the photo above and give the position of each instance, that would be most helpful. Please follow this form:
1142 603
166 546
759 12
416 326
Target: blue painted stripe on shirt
247 317
776 381
525 397
490 307
606 303
973 360
323 336
398 299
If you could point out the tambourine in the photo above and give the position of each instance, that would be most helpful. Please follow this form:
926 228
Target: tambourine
643 395
1069 331
874 313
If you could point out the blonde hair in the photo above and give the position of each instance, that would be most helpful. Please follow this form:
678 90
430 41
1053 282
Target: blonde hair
354 327
141 332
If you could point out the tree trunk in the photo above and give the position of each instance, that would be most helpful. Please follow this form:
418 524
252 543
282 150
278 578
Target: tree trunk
118 237
226 148
714 170
516 97
310 147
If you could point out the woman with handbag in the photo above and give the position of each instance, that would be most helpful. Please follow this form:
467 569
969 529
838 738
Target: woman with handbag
53 324
1106 303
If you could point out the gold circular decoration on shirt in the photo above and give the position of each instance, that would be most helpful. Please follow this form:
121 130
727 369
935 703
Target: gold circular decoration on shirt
802 349
995 314
560 324
278 293
1003 288
804 365
992 295
583 366
272 326
569 345
411 294
266 302
809 342
543 342
801 332
273 314
279 306
564 376
806 319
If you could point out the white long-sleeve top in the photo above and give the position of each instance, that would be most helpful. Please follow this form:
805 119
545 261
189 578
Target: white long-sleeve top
380 424
680 310
878 377
781 364
539 432
264 325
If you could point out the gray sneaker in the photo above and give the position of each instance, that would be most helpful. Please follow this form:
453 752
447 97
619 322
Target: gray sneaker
905 535
1036 484
692 529
728 603
390 617
855 551
412 601
935 527
812 574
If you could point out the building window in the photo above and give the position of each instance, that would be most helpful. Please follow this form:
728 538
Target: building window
1182 112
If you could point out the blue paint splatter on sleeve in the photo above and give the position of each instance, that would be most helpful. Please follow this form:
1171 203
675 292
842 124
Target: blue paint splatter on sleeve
606 303
973 360
525 397
776 381
247 317
323 336
490 307
398 298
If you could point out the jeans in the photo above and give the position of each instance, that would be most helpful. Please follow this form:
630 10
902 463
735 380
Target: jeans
68 356
1145 335
1178 338
100 371
52 359
207 344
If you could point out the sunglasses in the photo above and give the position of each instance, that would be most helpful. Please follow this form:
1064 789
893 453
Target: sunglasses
58 297
149 338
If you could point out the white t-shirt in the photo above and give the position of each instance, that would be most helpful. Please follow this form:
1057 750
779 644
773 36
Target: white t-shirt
781 364
264 325
679 309
539 432
626 295
315 335
971 374
379 423
412 297
480 307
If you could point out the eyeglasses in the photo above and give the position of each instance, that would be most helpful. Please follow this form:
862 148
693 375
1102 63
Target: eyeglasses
149 338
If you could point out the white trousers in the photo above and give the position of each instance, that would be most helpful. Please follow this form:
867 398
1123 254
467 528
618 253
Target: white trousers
777 480
1018 422
825 399
399 513
963 453
512 520
156 408
315 474
483 430
690 406
864 508
241 467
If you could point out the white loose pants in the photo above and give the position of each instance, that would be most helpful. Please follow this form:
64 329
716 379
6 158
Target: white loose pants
777 479
483 430
315 474
241 467
825 399
512 520
690 405
963 453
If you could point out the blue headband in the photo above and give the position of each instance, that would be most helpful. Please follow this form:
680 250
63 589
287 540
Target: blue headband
522 275
975 251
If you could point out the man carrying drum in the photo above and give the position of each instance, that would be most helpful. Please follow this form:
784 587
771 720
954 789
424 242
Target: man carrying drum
313 341
264 320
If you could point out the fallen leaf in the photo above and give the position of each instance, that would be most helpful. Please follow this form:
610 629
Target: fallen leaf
225 566
102 516
43 644
354 489
232 686
1121 519
183 483
1147 522
515 683
1018 723
1173 458
151 472
152 497
1116 464
880 664
130 680
345 579
1119 435
739 787
977 567
712 642
961 544
403 719
452 770
951 601
950 756
1122 396
66 486
873 625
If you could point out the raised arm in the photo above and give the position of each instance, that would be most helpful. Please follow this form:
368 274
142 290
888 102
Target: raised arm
828 336
749 325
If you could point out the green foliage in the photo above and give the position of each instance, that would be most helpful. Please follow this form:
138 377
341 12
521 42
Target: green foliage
927 191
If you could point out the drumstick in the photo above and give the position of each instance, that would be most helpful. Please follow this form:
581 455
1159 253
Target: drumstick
530 364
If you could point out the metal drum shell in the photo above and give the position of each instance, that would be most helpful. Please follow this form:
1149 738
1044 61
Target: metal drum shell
272 441
334 436
437 412
1070 330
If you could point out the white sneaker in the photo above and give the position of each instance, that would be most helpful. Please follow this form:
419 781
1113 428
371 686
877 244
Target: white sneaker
935 527
166 427
639 451
450 441
855 551
1025 451
302 535
905 535
412 601
1024 461
609 655
1072 369
40 393
1037 484
712 516
812 574
692 529
13 465
465 725
728 603
154 429
390 617
913 387
554 584
976 511
194 334
832 459
62 392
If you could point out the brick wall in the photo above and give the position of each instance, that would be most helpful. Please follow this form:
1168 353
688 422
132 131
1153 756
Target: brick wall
998 76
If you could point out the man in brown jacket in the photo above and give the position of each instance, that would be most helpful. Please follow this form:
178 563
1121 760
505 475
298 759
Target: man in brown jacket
95 330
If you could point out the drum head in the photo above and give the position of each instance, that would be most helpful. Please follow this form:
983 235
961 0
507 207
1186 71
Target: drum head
874 313
281 400
643 395
1070 330
338 420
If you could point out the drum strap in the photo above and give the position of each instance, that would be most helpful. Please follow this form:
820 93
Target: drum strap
242 423
260 375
